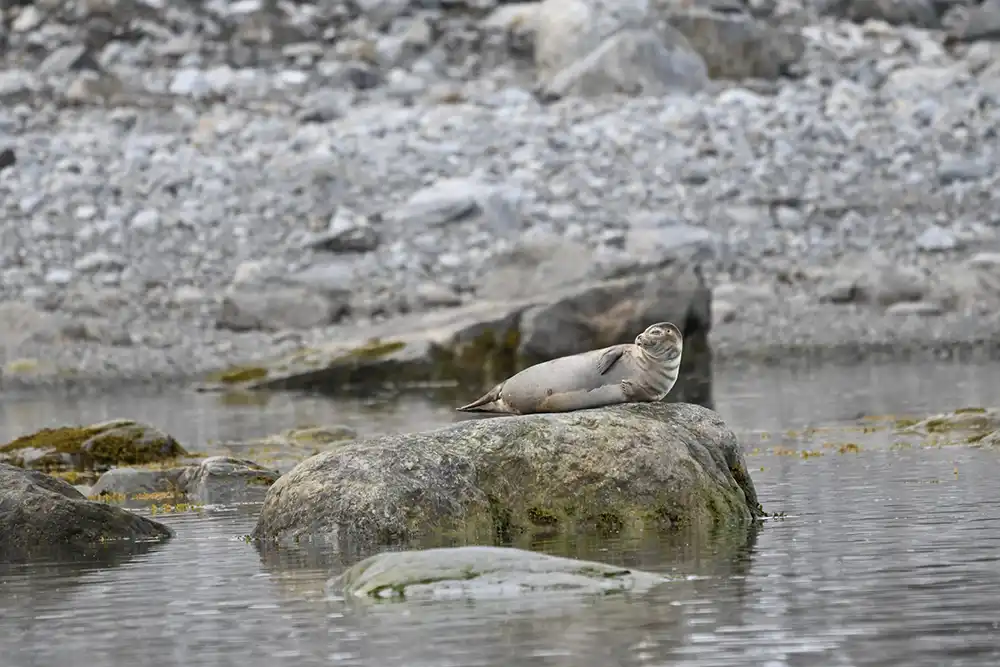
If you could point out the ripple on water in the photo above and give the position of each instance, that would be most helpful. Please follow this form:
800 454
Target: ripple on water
885 557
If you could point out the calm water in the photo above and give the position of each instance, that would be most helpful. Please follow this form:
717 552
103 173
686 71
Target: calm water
887 555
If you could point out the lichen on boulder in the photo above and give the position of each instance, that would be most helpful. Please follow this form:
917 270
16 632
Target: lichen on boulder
40 513
620 469
116 442
479 572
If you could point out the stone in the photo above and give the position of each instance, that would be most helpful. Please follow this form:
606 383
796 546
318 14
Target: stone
483 573
937 239
222 480
7 158
623 469
918 13
737 46
21 322
100 261
984 260
632 62
537 262
130 482
569 30
450 201
879 283
655 243
41 515
274 308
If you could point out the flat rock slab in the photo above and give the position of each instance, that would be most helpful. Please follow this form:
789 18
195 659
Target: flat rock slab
483 573
485 342
620 469
40 513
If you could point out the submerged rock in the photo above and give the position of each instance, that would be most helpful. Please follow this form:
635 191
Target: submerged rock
116 442
479 572
976 426
618 469
220 480
129 482
39 513
217 480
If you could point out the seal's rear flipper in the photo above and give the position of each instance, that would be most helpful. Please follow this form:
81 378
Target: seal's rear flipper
482 404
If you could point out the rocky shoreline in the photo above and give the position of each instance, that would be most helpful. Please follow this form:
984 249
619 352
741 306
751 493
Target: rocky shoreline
189 190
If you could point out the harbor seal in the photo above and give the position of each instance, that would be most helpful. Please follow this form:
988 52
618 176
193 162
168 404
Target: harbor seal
631 373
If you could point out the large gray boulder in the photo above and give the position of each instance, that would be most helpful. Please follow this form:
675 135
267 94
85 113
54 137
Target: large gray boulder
481 572
621 469
40 513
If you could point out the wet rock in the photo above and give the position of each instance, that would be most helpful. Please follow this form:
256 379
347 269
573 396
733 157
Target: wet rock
633 62
117 442
221 480
737 46
482 573
130 482
963 426
275 308
621 469
40 513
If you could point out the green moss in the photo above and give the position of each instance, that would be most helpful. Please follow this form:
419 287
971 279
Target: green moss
260 480
239 374
944 424
977 411
375 349
972 439
66 440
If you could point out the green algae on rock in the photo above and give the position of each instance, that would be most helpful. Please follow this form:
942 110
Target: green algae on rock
626 469
116 442
480 572
40 513
961 426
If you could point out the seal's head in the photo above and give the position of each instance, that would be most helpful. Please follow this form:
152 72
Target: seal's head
662 340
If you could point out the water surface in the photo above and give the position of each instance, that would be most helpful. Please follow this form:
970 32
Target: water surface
887 555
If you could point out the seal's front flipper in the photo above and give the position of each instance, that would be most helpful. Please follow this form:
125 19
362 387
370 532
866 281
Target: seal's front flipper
482 404
609 359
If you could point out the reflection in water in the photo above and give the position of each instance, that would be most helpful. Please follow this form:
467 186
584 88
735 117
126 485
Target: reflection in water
886 556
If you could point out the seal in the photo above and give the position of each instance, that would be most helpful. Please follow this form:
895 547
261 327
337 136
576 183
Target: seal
643 372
